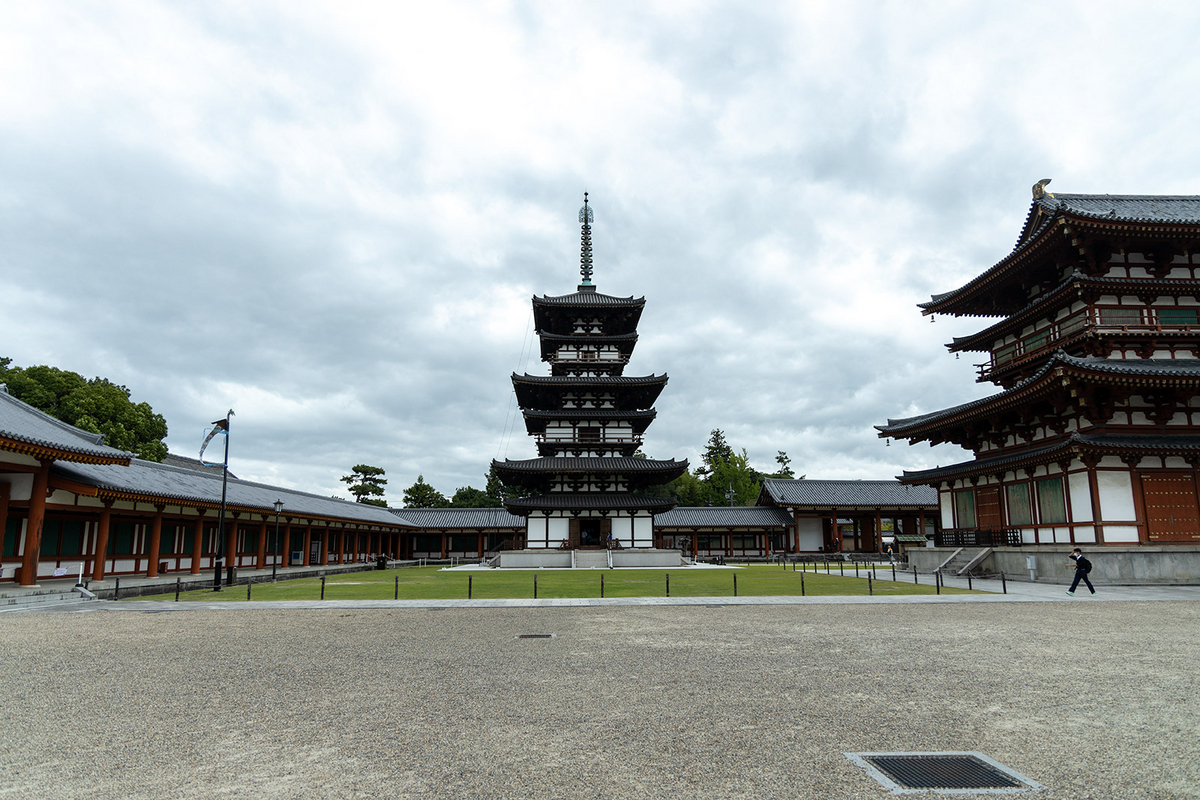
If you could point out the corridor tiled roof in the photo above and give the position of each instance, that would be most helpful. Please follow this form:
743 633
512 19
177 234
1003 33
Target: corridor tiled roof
23 424
724 517
847 494
184 486
472 518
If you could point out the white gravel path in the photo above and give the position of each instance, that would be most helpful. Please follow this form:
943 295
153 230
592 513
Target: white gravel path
1092 700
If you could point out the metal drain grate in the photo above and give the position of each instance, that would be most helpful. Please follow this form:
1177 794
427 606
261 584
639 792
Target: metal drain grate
536 636
950 773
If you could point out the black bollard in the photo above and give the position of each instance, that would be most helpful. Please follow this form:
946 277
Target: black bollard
802 584
870 587
602 584
735 584
469 586
893 572
937 580
1003 583
177 582
247 590
668 584
117 590
856 569
397 594
535 586
842 567
969 587
915 575
827 567
322 587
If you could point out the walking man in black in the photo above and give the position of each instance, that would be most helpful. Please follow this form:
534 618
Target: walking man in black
1082 568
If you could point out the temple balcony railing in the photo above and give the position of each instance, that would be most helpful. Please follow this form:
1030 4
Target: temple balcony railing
979 537
1088 321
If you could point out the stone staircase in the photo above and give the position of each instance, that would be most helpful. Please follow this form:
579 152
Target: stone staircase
12 599
591 559
964 560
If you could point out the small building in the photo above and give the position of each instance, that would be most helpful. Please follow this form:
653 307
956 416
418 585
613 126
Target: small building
724 531
831 516
443 533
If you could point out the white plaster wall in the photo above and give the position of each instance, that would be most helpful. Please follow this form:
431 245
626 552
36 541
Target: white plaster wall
947 502
1027 535
811 534
1120 533
1116 496
1081 497
535 532
622 530
1085 533
557 529
20 486
643 531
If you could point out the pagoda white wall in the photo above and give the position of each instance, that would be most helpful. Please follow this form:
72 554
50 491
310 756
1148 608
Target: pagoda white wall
1080 496
622 530
1116 496
946 500
643 530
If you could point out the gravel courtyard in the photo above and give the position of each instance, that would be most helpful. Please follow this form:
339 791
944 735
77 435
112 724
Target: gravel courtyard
1091 700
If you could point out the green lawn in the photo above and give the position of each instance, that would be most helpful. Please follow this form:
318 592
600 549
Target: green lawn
433 583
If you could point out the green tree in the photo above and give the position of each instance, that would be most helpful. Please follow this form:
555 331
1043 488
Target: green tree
366 484
422 495
97 406
498 492
785 466
470 497
715 451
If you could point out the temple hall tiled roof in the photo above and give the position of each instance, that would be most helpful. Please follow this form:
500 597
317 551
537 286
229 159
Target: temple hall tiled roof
38 434
846 494
472 518
724 517
1062 449
1052 209
590 465
147 479
1142 368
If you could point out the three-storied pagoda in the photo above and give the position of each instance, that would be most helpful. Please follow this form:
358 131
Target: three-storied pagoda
1096 434
588 419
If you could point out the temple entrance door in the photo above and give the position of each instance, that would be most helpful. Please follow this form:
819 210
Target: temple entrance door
1172 513
314 551
987 508
589 533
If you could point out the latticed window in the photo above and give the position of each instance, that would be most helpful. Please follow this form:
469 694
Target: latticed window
1004 354
1177 316
1052 505
964 508
1120 316
1037 341
1020 510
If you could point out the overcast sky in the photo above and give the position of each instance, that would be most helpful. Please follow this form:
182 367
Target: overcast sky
330 217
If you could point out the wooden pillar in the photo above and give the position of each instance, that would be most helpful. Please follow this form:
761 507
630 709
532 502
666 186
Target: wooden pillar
155 542
260 555
33 528
101 541
877 534
1094 488
445 543
197 542
231 542
285 553
4 496
304 556
325 545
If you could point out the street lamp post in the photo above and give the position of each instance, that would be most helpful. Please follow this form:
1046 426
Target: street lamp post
275 561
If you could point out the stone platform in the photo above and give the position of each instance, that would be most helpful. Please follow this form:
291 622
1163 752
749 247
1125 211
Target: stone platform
589 559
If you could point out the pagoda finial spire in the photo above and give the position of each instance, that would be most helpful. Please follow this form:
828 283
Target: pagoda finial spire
585 247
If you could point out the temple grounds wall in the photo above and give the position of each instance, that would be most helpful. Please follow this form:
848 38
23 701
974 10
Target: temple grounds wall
1114 564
